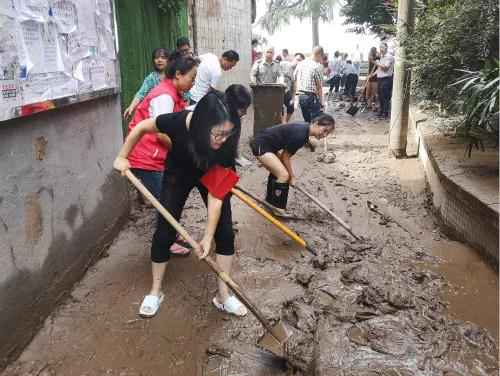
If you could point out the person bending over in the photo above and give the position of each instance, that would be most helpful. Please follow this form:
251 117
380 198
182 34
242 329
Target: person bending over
274 147
200 140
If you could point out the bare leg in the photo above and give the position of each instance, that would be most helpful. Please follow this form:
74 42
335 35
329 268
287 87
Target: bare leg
274 165
158 271
288 117
225 263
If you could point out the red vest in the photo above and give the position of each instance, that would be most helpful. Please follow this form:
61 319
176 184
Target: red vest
149 153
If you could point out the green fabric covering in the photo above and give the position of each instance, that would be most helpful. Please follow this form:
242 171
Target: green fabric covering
142 27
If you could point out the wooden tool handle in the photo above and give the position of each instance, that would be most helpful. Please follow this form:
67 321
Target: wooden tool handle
325 208
213 265
243 197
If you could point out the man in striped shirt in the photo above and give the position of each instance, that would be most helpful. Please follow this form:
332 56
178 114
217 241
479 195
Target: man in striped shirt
309 81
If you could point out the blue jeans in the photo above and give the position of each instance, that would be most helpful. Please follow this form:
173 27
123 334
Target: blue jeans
151 179
310 106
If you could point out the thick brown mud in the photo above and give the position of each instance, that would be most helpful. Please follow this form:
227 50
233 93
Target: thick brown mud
405 301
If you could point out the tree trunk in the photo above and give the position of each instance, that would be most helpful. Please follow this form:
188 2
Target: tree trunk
400 102
315 29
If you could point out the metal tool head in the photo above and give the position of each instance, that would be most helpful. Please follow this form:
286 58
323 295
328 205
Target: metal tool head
275 341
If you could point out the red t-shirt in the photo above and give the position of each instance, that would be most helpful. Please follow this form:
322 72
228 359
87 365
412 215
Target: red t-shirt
149 153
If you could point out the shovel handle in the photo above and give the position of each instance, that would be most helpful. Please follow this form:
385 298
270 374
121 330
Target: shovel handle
325 208
243 197
210 261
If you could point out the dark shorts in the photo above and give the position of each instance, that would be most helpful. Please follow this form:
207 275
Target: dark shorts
288 102
259 147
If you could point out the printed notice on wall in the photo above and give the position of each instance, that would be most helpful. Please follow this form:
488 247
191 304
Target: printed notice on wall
54 49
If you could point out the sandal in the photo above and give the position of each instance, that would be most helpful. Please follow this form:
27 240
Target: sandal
178 250
150 305
232 306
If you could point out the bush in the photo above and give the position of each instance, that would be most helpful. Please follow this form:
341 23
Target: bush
451 36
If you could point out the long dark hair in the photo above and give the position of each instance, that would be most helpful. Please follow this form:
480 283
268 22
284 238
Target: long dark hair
159 52
179 63
237 97
210 111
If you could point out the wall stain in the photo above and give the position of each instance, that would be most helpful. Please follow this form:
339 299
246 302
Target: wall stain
40 148
70 214
33 220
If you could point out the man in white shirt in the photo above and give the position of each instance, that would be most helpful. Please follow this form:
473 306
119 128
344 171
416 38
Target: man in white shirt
209 72
384 72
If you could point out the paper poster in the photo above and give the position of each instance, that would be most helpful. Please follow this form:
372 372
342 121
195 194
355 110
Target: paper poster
98 75
63 85
10 98
9 59
64 15
7 8
34 10
106 43
54 49
52 56
31 51
36 88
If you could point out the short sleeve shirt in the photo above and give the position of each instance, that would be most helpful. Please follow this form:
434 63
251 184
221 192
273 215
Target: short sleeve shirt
208 75
308 74
290 137
174 126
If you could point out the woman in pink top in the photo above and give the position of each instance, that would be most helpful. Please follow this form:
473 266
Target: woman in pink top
147 160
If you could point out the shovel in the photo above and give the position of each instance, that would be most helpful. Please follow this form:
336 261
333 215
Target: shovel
275 338
290 233
325 208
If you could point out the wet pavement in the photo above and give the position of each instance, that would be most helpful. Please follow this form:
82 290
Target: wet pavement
405 301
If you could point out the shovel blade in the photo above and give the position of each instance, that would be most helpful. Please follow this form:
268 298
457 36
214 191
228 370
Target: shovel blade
275 341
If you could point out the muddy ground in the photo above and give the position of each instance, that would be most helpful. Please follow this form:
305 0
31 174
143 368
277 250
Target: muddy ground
407 301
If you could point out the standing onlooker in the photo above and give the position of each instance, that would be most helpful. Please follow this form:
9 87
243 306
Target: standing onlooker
334 74
160 60
288 70
356 59
183 47
266 70
343 77
385 70
351 79
209 72
255 43
371 87
286 55
309 80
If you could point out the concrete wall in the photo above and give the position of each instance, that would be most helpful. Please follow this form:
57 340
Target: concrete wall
462 213
221 25
60 204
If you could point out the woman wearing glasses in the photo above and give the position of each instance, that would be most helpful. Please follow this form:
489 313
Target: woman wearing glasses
274 147
200 140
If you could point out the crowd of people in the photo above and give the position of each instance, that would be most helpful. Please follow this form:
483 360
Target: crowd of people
340 73
183 131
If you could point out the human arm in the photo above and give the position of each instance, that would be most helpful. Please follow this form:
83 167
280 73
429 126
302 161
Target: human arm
130 109
149 83
121 162
214 208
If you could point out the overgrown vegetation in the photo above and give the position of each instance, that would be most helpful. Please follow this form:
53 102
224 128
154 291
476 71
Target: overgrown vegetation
453 53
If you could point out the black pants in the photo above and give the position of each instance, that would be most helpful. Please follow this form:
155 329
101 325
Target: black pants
288 102
351 83
384 94
175 191
334 83
310 106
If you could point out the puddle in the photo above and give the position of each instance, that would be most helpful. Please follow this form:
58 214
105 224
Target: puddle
473 289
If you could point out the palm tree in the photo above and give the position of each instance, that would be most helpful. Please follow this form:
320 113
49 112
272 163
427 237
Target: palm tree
280 12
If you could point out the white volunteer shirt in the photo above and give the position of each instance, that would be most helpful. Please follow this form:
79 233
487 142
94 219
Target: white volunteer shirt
209 72
162 104
387 60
